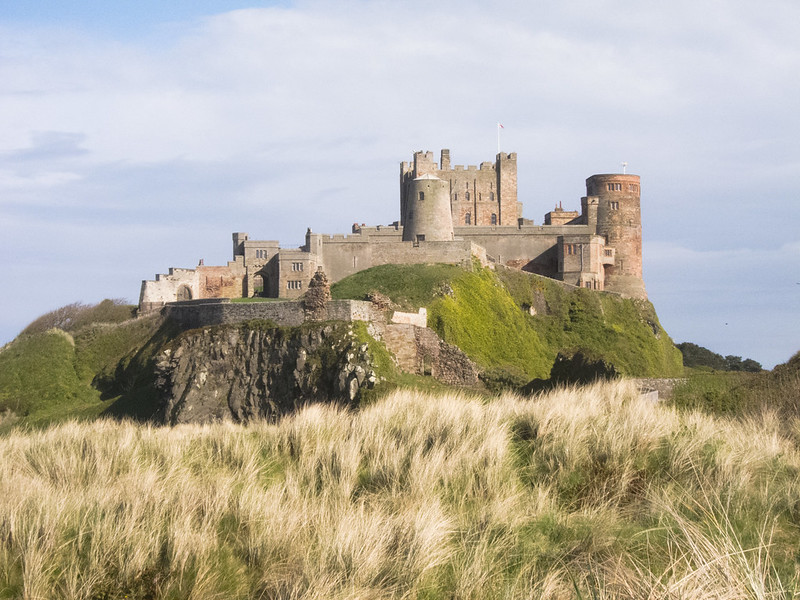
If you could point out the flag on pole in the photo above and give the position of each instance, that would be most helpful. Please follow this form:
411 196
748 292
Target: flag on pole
499 127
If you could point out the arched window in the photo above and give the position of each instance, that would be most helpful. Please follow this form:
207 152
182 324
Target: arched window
466 195
494 219
468 219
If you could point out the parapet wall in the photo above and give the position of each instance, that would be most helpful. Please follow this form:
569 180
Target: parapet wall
202 313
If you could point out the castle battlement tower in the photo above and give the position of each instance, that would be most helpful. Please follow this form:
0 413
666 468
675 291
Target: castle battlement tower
427 211
619 220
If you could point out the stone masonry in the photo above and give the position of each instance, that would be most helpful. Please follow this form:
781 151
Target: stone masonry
448 214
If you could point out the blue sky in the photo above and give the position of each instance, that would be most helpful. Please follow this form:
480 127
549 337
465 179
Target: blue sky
135 136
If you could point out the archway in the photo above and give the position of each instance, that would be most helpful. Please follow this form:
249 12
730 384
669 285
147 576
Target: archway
184 293
257 285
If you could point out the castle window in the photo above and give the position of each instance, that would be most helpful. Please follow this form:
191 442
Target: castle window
467 184
421 196
297 266
632 187
466 196
494 219
455 197
609 252
613 205
491 196
614 187
294 285
468 219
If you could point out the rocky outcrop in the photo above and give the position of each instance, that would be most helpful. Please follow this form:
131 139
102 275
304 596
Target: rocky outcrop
245 372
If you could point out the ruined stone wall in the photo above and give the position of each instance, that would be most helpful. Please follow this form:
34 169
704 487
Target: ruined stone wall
166 288
221 282
420 351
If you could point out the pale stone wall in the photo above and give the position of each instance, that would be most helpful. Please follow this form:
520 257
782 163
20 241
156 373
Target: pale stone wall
420 318
342 257
165 288
581 259
428 217
484 195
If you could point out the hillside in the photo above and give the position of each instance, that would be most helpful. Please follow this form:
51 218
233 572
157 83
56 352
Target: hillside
590 493
514 324
53 374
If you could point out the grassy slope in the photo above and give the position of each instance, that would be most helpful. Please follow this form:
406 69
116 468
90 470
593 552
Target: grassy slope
54 375
486 316
579 493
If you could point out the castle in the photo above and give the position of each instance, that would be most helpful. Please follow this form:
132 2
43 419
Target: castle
448 214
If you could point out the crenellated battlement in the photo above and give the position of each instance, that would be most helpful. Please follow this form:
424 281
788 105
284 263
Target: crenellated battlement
448 214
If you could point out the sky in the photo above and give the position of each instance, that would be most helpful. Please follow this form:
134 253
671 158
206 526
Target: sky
138 135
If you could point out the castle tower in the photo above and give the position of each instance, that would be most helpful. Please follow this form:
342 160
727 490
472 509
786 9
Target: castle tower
506 168
427 212
238 244
619 221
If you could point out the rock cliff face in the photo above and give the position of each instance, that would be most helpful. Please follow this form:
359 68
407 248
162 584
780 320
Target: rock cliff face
240 373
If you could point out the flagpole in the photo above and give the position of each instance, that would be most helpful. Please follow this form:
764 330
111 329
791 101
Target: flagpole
498 137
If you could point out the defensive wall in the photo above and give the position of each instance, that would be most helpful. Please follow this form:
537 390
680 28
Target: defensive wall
221 311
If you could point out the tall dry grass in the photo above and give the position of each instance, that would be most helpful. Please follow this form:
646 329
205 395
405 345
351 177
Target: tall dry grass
579 493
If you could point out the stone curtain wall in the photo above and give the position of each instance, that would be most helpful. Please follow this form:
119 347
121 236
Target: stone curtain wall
202 313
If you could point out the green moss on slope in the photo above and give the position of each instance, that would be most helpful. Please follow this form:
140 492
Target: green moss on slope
409 286
482 319
517 322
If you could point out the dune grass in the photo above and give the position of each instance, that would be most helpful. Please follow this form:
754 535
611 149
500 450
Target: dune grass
590 493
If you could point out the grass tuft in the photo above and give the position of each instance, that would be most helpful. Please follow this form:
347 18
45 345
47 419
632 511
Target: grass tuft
588 493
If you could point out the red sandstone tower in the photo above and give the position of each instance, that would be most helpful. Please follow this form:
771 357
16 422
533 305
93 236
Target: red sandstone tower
619 220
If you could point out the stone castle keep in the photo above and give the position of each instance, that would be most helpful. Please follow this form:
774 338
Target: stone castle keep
448 214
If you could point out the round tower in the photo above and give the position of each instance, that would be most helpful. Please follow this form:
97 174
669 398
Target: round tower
428 217
619 220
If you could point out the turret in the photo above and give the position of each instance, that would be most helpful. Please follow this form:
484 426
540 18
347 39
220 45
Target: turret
238 244
619 221
427 212
510 209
